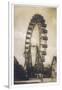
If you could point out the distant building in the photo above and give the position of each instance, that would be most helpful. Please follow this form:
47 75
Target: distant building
19 72
54 67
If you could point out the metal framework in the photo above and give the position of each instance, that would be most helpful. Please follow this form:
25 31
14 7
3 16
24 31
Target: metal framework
41 49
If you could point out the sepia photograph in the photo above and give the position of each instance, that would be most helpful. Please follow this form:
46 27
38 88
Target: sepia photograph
35 44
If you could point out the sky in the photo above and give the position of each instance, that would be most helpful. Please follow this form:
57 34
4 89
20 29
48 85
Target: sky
22 17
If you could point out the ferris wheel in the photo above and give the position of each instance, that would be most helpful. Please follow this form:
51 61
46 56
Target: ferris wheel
38 20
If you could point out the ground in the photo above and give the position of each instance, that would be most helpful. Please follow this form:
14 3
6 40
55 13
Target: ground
33 80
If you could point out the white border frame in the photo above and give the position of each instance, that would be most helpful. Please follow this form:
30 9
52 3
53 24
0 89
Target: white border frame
11 45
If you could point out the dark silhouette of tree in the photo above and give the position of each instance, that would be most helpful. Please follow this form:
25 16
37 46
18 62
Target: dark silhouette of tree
47 72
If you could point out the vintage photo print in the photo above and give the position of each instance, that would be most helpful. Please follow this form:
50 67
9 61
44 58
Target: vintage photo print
35 44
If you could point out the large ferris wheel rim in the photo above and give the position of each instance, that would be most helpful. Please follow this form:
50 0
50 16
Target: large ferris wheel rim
36 19
40 21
